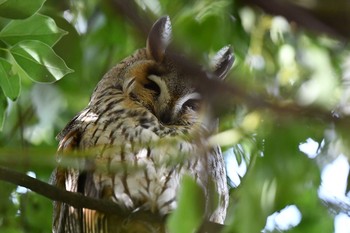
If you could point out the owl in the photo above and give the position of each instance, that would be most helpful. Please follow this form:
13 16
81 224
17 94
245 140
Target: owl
145 128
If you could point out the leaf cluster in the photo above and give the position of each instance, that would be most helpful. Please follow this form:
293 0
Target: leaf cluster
27 38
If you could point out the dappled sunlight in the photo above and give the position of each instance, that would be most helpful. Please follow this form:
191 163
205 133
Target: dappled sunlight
311 148
284 219
342 223
235 171
334 180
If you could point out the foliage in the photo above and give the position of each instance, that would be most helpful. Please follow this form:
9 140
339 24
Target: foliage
276 61
192 196
26 43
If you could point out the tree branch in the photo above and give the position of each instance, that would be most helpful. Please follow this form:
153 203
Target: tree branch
332 20
56 194
224 96
77 200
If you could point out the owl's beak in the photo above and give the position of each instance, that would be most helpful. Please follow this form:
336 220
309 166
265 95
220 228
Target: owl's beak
166 117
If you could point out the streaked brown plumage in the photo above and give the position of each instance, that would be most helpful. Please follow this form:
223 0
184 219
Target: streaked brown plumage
144 128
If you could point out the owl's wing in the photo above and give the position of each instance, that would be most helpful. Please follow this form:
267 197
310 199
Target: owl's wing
68 143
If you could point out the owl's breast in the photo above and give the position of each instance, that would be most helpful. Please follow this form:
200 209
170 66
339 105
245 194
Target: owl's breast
139 159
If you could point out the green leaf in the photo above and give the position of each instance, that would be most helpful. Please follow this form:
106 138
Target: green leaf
37 61
36 211
3 107
19 9
189 214
37 27
9 82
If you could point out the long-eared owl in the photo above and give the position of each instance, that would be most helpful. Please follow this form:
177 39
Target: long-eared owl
145 127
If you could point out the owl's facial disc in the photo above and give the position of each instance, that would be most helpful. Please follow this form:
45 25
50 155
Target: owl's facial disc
170 107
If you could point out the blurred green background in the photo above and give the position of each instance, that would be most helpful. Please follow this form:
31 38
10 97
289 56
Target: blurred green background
277 158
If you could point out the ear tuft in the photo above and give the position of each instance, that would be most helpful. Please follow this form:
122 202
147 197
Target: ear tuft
159 38
222 62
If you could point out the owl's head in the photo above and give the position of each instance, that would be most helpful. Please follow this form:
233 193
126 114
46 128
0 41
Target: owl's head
153 79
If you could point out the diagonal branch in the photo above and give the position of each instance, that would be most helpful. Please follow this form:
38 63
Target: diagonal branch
56 194
298 15
225 96
78 200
